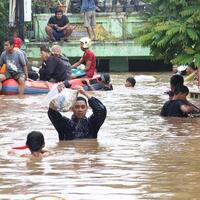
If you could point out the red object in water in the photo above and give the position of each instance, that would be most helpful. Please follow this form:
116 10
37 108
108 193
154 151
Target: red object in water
10 86
20 147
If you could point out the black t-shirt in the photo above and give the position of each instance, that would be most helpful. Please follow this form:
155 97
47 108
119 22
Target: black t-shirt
60 22
172 108
69 129
53 68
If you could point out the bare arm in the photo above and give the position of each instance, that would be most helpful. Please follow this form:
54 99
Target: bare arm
26 71
188 108
64 27
83 92
88 64
52 25
78 63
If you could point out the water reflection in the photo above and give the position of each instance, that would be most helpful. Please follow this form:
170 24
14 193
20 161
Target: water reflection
138 154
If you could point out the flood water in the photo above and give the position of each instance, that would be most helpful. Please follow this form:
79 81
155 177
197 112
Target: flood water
138 154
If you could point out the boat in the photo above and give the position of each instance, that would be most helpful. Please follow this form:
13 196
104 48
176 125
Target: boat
10 86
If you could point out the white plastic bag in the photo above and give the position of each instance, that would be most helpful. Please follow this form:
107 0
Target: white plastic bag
63 100
52 94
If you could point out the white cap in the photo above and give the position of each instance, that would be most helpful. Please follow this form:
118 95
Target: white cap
182 68
86 42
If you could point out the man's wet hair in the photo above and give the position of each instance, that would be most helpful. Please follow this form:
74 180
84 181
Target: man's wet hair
176 80
131 80
45 49
81 99
181 89
105 77
35 141
58 10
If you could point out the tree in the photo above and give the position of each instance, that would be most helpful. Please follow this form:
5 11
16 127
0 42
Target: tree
172 30
4 13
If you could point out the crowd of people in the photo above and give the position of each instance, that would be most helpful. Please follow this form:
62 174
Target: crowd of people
178 105
56 68
81 127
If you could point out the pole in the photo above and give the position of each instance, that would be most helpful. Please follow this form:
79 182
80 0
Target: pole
20 18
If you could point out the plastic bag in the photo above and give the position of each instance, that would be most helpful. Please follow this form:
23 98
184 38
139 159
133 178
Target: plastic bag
63 100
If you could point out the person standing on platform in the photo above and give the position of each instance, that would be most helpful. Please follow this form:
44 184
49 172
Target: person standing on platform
88 7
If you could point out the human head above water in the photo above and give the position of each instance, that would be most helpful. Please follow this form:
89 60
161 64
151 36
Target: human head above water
176 80
174 68
181 89
80 107
35 141
130 82
105 78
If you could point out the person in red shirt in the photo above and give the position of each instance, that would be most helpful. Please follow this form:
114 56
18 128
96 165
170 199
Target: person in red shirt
88 58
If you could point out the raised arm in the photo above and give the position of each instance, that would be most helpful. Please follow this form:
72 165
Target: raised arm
61 124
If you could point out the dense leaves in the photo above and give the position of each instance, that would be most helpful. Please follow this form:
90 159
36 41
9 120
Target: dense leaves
172 30
4 12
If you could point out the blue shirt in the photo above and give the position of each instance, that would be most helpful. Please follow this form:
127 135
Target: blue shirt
88 5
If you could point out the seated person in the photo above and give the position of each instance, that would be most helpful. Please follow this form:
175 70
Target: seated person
79 126
178 106
16 67
56 51
58 26
52 69
130 82
88 57
103 84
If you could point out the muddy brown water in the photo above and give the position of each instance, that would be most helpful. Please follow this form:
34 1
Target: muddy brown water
138 154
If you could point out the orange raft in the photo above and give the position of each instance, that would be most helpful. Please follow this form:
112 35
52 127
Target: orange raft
10 86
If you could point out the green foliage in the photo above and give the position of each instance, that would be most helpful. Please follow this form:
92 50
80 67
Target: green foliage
4 12
172 30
